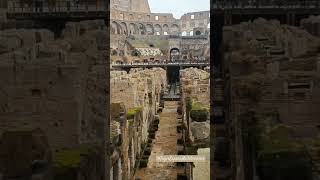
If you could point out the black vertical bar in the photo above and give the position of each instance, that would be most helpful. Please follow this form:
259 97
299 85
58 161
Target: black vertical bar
216 41
107 126
216 58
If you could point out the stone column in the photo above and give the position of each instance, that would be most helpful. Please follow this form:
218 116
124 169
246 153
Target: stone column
111 173
120 169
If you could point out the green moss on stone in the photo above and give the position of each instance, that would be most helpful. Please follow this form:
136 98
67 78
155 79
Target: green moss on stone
130 122
199 112
280 155
71 158
132 112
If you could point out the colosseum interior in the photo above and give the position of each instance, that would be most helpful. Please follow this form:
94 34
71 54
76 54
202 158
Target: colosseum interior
55 99
164 109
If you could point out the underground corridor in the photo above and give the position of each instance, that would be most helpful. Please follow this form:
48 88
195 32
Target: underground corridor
165 138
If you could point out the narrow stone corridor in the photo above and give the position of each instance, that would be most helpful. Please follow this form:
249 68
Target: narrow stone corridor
165 143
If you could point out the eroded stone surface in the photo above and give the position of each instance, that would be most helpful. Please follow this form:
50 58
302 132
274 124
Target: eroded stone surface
57 85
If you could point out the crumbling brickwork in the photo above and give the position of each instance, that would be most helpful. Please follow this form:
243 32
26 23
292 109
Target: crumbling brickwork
135 98
57 85
273 83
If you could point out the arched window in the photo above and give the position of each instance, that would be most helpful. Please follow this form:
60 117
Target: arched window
184 33
165 33
209 26
191 33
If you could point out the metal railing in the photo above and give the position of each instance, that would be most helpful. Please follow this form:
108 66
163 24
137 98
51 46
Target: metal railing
162 63
54 6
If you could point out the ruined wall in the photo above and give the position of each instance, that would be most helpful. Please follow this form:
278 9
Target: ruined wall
131 5
132 23
192 20
279 55
139 88
155 26
57 85
195 86
273 79
135 98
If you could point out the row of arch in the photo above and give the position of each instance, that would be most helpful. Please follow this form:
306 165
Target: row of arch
144 29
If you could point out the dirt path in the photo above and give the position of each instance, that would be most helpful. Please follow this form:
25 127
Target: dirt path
165 143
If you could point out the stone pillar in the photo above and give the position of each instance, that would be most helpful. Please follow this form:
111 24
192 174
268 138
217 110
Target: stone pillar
111 173
119 169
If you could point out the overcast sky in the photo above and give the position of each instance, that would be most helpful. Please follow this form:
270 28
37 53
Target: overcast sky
178 7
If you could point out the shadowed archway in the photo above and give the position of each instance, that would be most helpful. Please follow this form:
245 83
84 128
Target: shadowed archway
174 54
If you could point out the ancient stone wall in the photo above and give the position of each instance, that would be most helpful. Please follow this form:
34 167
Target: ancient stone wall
192 20
57 85
129 5
132 23
137 95
195 89
276 55
139 88
273 79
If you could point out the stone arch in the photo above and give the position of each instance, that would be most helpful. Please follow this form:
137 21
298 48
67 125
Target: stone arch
150 29
141 29
157 29
133 29
198 32
184 33
119 62
124 29
114 52
166 29
175 29
115 28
